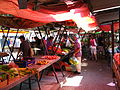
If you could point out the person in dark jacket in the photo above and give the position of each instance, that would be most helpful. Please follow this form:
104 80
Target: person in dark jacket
24 47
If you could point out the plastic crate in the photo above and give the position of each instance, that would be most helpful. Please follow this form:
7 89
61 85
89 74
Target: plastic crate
26 62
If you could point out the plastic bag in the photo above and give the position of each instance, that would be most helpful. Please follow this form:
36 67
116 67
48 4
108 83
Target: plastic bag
73 60
68 44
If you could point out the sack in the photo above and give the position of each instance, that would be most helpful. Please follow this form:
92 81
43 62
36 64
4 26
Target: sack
31 52
73 60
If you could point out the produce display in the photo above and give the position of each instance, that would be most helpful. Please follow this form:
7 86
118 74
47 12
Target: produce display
117 57
50 57
57 50
7 72
66 50
12 70
42 62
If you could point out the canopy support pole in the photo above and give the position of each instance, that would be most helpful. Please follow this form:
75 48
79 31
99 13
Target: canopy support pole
60 39
58 34
5 38
112 32
12 49
7 42
119 26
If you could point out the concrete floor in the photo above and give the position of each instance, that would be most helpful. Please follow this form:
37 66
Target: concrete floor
94 76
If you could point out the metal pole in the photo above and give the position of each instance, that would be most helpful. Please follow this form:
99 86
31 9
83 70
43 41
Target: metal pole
13 45
119 25
60 40
57 34
5 38
6 42
112 32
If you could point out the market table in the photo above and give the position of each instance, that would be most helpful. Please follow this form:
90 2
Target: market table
17 80
42 67
13 82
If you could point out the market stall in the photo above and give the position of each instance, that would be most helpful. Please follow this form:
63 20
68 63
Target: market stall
9 82
23 74
35 17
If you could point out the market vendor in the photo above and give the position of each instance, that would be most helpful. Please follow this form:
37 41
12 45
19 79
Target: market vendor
38 45
37 42
50 42
25 47
63 41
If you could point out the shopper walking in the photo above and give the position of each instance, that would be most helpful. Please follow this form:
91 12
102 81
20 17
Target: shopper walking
93 45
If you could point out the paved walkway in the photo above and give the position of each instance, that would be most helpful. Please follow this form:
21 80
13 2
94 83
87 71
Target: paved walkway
95 76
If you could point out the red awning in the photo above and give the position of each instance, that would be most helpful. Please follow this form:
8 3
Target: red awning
107 27
45 14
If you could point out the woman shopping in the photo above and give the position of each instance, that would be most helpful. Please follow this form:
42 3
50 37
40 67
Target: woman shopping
77 53
93 48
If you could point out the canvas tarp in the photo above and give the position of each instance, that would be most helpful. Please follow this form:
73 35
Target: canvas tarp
45 14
